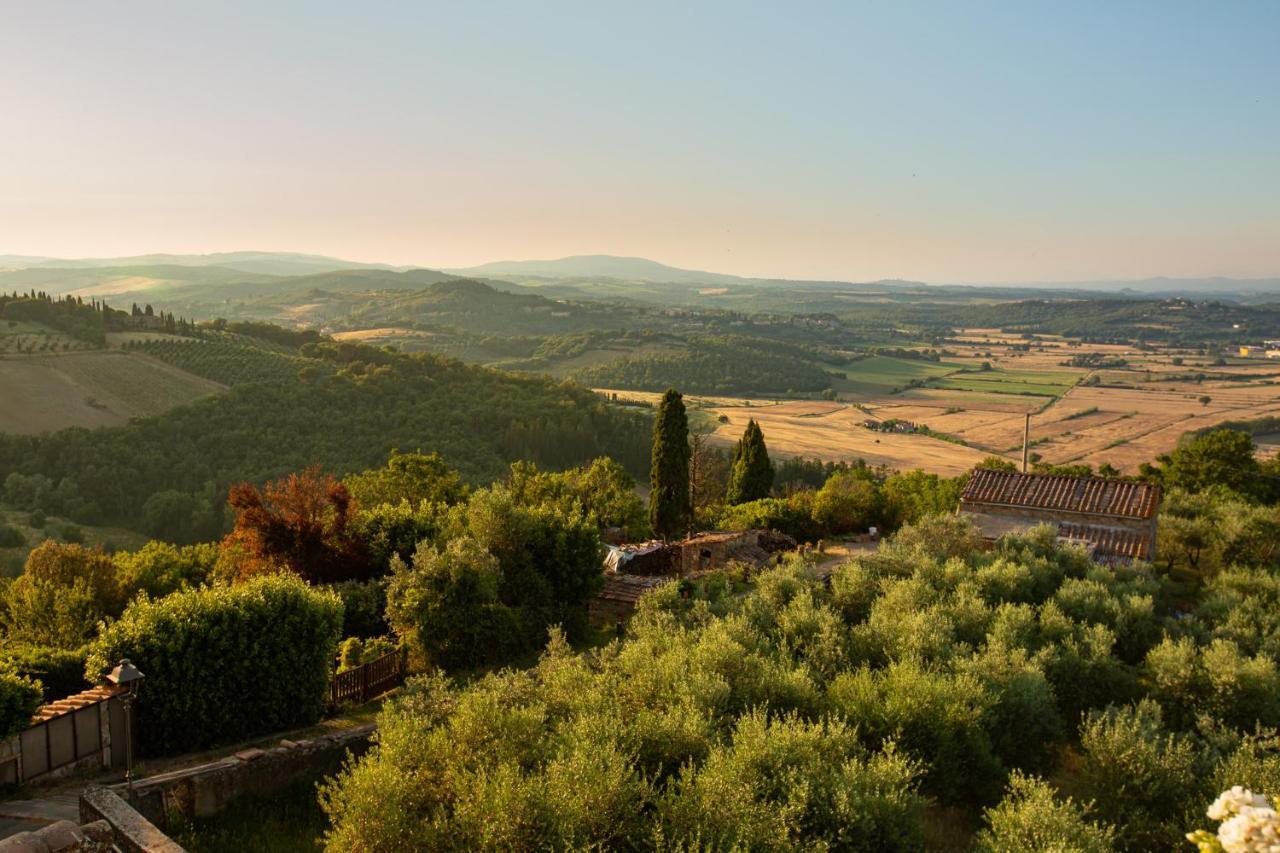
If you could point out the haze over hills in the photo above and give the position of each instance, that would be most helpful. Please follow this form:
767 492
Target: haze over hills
270 263
600 266
611 275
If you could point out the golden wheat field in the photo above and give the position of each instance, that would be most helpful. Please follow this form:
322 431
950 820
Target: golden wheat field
1135 413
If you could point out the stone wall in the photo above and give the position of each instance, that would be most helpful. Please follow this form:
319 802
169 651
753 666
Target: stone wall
208 788
130 831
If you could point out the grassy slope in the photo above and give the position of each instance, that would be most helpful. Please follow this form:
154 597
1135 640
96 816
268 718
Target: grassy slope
12 559
90 389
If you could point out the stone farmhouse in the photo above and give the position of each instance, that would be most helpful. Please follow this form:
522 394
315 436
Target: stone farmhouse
1115 520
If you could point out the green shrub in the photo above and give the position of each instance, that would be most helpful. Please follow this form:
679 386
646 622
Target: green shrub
364 605
934 717
19 699
159 568
789 784
1218 680
49 612
226 663
1148 782
355 652
1030 819
445 605
59 671
792 516
350 653
11 537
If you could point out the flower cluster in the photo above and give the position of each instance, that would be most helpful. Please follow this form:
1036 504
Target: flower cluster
1249 824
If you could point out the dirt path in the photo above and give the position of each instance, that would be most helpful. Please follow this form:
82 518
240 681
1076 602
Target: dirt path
29 815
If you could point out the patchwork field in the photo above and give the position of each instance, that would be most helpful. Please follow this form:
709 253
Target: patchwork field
40 393
834 431
880 375
1132 410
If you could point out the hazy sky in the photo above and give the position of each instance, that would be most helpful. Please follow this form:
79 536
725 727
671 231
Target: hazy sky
943 141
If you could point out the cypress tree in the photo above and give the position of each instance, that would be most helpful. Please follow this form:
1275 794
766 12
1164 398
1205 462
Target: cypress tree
751 477
669 470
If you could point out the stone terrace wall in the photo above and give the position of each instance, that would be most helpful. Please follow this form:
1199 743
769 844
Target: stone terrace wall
207 789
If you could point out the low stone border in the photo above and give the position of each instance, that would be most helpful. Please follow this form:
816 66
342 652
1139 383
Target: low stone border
130 831
64 837
208 788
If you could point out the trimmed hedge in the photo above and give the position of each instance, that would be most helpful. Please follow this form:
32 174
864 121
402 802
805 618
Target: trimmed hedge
226 663
19 698
59 671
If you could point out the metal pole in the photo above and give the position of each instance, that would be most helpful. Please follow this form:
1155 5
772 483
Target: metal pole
128 743
1026 442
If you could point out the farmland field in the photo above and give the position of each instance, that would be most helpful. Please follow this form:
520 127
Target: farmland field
1003 381
17 336
102 388
878 375
1135 411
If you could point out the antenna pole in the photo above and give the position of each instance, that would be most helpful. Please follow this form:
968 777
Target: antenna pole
1026 441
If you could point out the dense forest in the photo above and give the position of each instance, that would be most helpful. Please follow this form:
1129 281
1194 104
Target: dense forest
345 407
1094 320
719 365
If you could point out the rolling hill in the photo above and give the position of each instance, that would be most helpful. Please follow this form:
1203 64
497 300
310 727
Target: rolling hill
345 407
599 266
46 393
269 263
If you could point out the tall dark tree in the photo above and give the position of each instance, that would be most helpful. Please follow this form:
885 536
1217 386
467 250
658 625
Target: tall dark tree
669 468
751 477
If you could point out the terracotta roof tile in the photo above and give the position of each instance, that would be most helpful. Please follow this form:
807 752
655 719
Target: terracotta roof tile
629 588
1094 495
71 703
1110 542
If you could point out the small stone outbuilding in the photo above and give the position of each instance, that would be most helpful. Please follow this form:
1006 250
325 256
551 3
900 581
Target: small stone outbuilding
1115 520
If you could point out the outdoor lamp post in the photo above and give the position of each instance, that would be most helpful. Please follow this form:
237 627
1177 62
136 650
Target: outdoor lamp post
127 679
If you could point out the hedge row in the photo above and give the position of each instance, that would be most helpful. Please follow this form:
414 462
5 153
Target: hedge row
59 671
226 663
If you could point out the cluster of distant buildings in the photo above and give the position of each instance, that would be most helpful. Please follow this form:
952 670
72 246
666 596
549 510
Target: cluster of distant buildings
892 425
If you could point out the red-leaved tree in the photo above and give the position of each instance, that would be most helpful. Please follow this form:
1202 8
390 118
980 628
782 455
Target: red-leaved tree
303 523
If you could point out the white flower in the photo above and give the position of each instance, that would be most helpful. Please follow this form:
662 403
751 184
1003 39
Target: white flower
1232 801
1252 830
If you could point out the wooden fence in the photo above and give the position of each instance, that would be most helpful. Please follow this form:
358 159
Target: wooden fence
362 683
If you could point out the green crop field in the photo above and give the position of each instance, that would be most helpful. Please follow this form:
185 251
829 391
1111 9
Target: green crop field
882 375
1047 383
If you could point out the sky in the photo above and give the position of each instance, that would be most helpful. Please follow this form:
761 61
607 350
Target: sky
966 141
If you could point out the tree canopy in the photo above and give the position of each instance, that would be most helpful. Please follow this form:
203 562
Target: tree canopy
751 475
669 496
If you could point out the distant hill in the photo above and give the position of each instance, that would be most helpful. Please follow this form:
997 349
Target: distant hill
270 263
115 280
204 284
1171 286
600 266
